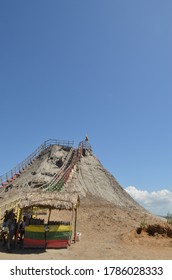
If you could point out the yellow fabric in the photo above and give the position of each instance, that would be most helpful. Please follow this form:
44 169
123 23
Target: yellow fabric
51 228
35 228
59 228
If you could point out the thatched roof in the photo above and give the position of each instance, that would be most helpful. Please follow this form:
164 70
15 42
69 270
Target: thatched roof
54 200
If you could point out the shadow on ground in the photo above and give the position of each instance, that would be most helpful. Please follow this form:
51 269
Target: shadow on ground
18 249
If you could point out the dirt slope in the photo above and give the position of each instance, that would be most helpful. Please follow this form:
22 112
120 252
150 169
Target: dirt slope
92 179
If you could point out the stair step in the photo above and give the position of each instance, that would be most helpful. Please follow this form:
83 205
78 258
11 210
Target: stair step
9 180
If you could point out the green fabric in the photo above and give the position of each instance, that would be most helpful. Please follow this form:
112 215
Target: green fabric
35 235
58 235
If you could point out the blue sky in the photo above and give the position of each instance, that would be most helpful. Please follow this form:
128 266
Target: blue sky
102 68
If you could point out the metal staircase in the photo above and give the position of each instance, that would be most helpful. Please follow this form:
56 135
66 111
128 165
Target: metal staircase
60 178
15 172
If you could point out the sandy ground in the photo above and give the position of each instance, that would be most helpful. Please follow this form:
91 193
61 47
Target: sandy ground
107 232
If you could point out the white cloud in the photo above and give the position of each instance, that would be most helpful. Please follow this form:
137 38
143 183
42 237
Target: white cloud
159 202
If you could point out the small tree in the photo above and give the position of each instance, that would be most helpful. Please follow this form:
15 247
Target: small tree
169 218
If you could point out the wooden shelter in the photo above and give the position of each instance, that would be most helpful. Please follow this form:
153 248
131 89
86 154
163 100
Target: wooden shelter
48 234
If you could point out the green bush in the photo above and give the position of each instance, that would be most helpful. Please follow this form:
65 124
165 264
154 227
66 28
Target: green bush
169 218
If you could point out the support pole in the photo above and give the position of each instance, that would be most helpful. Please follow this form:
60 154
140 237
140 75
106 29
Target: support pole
76 213
19 217
49 215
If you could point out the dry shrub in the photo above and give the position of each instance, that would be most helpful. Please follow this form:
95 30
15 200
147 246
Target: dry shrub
155 229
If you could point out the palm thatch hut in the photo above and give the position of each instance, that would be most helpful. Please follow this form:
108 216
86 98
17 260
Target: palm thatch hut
53 200
48 234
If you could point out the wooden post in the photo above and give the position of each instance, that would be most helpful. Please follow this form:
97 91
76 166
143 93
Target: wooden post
76 212
49 215
19 216
71 223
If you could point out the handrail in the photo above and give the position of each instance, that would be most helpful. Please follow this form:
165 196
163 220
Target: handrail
64 170
85 145
59 179
31 157
63 175
55 178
